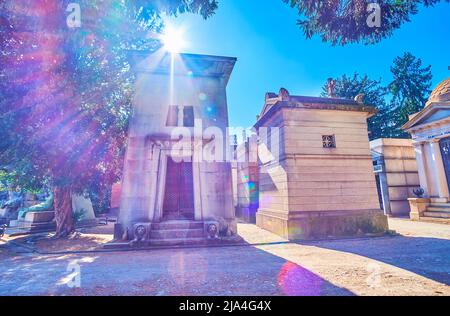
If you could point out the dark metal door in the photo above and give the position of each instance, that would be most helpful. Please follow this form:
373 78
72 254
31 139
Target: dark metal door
445 151
179 191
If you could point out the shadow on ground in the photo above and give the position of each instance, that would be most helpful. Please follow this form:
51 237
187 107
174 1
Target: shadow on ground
428 257
242 271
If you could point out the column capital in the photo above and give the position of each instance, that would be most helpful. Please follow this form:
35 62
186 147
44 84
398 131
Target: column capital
435 140
419 143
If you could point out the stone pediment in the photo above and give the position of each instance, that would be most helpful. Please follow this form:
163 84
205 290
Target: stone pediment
431 115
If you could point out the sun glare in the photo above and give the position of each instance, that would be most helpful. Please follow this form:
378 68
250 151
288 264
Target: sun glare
173 39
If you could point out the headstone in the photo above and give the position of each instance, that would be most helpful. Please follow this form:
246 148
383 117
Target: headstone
83 205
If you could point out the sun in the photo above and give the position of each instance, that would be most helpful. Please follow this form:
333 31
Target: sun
173 39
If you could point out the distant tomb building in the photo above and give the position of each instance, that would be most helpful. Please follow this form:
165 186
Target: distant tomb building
396 174
247 180
316 176
171 192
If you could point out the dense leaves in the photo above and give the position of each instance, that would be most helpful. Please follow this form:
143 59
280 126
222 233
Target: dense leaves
349 87
342 22
410 88
405 95
65 93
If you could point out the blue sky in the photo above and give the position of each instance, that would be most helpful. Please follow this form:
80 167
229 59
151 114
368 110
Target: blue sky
272 51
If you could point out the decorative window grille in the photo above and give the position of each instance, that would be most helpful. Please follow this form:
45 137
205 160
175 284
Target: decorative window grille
329 141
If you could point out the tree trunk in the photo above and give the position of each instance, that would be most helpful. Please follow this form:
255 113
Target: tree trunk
63 212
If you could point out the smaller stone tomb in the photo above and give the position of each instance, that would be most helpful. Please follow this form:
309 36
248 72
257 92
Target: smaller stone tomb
41 217
316 172
397 175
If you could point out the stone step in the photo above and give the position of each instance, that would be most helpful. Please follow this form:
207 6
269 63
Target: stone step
177 233
171 225
443 205
432 208
439 200
178 242
436 214
438 220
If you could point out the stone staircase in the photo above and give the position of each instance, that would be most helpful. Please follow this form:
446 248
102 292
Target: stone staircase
174 233
437 212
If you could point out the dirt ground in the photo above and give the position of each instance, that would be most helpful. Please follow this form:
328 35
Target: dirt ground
416 262
86 239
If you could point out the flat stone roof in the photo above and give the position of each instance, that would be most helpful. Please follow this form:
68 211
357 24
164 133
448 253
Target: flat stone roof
396 142
194 65
321 100
275 102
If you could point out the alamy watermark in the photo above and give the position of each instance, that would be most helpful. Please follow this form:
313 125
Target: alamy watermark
215 144
73 279
374 17
74 18
374 278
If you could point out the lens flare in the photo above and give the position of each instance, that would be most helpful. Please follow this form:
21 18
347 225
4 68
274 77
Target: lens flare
173 39
295 280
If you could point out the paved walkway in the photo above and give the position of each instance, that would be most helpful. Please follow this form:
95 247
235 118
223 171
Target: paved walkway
416 263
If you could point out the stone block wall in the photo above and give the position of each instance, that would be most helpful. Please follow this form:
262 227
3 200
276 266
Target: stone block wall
398 173
326 179
311 191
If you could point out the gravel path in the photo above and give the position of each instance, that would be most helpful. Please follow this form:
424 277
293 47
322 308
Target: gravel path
415 263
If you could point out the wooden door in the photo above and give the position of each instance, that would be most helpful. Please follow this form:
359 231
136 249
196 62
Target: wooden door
179 191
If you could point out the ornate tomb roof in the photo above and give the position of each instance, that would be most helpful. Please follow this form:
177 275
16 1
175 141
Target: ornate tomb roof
441 93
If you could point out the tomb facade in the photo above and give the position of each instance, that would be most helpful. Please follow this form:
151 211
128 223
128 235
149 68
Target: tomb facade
176 184
316 176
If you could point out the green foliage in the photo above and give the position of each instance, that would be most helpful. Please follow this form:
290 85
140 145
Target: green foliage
78 216
349 87
341 22
405 95
410 89
65 94
100 195
5 180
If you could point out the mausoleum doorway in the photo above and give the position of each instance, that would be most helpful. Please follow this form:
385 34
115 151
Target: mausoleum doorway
179 191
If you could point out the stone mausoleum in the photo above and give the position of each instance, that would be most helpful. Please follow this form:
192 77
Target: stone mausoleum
316 176
172 191
430 131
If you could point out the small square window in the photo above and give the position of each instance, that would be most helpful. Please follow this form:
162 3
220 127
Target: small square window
329 141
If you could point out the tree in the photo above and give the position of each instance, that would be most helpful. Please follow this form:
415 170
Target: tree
65 93
349 87
342 22
410 89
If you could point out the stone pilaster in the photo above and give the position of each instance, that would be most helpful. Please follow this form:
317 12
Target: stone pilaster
421 167
439 171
